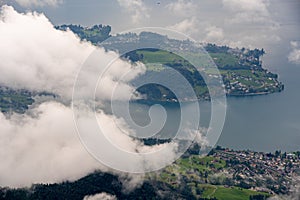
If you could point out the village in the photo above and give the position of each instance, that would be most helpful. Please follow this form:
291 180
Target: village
267 172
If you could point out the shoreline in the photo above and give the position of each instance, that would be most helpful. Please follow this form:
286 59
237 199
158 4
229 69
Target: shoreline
146 101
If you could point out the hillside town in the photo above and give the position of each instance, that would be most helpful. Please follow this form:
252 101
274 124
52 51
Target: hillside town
267 172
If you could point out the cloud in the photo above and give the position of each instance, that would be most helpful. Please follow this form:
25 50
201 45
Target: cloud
187 26
38 3
294 56
214 34
101 196
42 146
258 6
251 22
238 23
136 8
182 7
36 56
255 11
186 11
203 30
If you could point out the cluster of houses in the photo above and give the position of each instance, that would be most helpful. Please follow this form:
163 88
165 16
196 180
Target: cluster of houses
269 172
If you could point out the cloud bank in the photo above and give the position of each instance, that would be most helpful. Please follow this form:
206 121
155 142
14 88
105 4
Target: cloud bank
42 146
36 56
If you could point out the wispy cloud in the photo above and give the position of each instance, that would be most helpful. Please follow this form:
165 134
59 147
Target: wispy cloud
239 23
186 26
248 11
38 3
294 56
136 8
182 7
214 34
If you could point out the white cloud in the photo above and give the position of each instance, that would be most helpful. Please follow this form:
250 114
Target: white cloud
101 196
240 23
42 145
36 56
214 34
44 148
294 56
294 44
187 26
258 6
252 39
29 3
254 11
136 8
182 7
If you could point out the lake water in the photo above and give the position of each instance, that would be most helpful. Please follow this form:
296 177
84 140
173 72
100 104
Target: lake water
260 123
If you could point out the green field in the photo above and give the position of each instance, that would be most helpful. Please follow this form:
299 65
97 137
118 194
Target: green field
191 171
159 56
227 193
239 79
164 57
200 163
223 59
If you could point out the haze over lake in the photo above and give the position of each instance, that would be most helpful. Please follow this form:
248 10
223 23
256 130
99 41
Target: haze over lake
118 99
262 123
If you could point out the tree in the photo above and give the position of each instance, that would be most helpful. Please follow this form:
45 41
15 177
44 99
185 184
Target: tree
258 197
277 153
